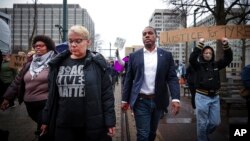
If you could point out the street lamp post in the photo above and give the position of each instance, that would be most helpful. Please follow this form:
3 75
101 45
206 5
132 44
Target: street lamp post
63 29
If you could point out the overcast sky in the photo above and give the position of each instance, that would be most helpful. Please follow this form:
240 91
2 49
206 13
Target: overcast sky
112 18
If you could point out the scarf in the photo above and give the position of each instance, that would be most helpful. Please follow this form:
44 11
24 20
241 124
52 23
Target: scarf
39 63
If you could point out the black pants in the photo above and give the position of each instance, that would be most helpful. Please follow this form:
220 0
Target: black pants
35 110
192 91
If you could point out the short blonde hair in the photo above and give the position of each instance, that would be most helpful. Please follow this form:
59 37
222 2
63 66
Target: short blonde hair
81 30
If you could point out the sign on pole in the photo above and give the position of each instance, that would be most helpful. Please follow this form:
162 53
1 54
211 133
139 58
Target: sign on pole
209 33
119 43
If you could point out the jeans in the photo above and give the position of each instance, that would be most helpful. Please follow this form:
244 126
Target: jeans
207 115
146 118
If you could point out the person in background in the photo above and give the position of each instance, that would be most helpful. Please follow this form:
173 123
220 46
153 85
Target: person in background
191 77
151 71
248 109
245 90
81 101
207 86
7 75
31 83
4 134
124 63
113 74
30 53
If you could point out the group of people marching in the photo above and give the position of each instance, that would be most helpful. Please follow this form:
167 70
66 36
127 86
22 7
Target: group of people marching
70 95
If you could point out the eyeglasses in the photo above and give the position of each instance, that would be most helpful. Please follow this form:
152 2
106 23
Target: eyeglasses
77 41
38 45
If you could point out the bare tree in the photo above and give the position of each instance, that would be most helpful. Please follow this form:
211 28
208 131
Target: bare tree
242 19
220 9
34 25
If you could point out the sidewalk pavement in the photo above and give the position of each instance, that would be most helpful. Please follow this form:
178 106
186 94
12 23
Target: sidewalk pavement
183 126
179 128
18 123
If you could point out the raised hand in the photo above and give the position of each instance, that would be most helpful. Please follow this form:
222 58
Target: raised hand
201 40
116 52
224 40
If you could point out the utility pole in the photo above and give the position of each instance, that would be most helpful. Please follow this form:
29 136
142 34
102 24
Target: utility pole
65 20
108 50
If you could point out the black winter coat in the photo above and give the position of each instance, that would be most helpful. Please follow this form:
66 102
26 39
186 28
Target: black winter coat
100 113
207 72
190 76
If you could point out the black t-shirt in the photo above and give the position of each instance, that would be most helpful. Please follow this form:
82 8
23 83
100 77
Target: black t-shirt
71 85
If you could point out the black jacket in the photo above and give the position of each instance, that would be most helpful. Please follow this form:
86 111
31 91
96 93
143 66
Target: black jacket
100 113
207 72
190 76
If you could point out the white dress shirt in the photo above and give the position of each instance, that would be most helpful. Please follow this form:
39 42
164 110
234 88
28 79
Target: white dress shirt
150 67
